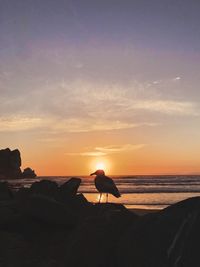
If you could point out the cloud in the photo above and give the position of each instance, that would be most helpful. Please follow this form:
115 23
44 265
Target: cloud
15 124
119 148
53 125
157 82
166 107
88 125
106 150
88 154
166 81
178 78
84 106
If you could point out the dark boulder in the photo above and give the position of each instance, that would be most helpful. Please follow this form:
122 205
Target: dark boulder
69 189
46 210
22 194
169 238
5 192
81 206
184 247
9 215
94 242
15 251
28 173
45 187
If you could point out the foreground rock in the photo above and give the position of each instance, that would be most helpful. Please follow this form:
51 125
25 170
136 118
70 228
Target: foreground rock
69 189
47 210
66 195
45 187
5 192
94 242
39 227
167 238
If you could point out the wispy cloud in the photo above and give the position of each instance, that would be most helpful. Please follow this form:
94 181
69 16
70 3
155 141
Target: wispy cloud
15 124
88 125
119 148
103 151
166 81
84 106
88 154
166 106
53 125
178 78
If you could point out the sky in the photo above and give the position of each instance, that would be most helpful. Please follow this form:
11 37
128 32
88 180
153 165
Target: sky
111 81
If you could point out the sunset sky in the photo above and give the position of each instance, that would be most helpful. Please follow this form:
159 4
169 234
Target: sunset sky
112 81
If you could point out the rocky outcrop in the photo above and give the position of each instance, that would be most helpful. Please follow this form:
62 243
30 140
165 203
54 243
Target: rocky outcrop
70 187
170 238
5 192
47 210
10 165
95 240
68 190
46 188
28 173
66 194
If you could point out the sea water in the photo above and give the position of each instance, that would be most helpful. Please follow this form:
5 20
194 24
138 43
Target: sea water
146 192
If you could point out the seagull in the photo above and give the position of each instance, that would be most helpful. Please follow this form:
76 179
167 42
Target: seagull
105 184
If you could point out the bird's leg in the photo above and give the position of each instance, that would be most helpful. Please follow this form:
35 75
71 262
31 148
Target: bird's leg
100 197
107 198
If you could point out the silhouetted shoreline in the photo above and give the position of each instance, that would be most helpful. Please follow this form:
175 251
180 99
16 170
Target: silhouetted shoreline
47 225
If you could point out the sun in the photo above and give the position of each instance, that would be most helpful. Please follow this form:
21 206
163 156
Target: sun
100 166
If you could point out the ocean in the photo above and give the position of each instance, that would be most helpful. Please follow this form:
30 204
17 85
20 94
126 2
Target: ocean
145 192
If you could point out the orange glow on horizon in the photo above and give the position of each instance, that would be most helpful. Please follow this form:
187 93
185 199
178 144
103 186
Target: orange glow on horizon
100 164
50 161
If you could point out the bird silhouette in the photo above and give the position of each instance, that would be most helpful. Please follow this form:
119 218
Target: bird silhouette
105 184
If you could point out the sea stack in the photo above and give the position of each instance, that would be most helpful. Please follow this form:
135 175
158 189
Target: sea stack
10 165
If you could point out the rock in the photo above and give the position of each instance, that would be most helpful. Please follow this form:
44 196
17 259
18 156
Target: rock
81 206
94 243
22 194
47 210
28 173
8 214
10 163
184 247
69 188
45 187
169 238
79 201
15 250
5 192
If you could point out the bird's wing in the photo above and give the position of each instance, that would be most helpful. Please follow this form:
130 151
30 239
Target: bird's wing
111 187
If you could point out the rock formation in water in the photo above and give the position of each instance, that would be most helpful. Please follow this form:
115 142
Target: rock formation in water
28 173
10 165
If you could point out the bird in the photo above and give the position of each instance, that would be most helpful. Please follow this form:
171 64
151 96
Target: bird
105 184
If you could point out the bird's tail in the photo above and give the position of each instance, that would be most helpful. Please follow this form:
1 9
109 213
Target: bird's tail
117 193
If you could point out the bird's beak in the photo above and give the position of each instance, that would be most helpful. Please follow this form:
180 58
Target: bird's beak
93 173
